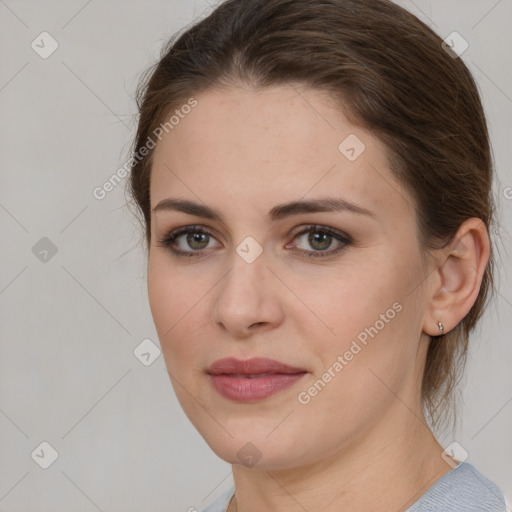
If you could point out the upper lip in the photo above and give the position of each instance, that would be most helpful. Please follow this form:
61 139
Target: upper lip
255 366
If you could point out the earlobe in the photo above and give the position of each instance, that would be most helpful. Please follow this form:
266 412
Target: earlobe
460 269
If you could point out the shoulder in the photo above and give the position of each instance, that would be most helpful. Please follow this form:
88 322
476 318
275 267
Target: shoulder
222 502
462 489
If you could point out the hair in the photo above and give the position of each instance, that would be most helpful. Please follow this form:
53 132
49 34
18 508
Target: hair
389 73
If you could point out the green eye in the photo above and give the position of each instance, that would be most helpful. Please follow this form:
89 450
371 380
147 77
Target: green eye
197 238
320 238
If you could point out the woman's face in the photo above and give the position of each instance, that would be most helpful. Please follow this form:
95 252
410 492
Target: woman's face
345 308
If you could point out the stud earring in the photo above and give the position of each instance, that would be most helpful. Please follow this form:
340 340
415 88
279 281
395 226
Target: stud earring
441 327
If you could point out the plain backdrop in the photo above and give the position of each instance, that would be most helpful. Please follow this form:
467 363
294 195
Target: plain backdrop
73 296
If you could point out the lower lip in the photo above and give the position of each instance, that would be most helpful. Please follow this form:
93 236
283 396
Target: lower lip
243 389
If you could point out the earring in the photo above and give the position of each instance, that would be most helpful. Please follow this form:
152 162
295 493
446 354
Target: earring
441 327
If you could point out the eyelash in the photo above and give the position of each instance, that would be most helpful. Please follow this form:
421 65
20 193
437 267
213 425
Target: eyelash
168 240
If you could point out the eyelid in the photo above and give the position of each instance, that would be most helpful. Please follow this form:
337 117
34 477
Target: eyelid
305 228
342 238
170 237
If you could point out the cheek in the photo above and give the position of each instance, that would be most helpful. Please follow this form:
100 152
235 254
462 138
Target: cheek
171 299
359 366
181 309
374 350
162 300
346 301
361 313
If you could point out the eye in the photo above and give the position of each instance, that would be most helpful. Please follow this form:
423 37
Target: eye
321 238
196 238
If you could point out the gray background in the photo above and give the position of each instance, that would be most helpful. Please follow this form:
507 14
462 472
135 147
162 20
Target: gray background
69 326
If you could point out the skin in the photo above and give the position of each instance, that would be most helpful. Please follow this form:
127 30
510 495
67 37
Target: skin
362 443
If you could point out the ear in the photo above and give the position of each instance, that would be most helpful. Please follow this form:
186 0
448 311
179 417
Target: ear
458 276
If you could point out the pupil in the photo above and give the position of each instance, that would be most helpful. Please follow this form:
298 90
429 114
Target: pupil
196 237
315 237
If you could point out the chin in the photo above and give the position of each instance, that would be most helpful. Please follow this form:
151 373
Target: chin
254 447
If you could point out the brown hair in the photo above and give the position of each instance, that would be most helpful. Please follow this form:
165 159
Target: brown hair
390 74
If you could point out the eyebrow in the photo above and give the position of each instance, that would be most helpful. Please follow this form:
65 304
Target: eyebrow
278 212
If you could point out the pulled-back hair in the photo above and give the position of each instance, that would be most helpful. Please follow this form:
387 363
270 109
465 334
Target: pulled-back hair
389 73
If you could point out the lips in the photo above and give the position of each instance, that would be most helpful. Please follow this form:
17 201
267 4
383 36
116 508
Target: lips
257 366
254 379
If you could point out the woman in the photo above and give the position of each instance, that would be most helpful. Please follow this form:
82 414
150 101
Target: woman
314 179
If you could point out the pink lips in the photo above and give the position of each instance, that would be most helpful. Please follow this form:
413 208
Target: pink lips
253 379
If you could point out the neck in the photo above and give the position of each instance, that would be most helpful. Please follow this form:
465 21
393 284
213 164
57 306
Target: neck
388 468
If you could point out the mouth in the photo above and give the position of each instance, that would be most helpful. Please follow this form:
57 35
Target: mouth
251 376
257 366
252 380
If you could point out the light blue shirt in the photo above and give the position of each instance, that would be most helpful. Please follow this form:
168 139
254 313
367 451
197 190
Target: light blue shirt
463 489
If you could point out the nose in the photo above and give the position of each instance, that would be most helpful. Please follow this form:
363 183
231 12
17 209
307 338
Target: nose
248 298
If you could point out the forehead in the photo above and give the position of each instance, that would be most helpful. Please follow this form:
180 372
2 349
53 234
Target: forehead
244 147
